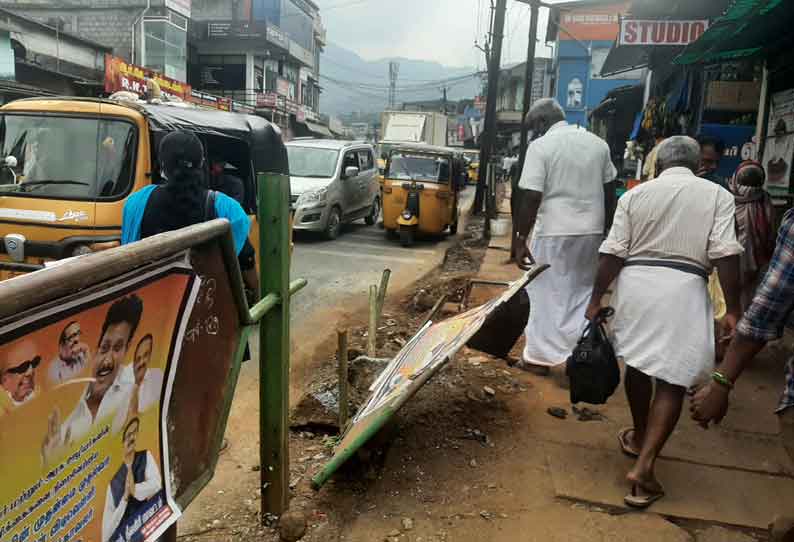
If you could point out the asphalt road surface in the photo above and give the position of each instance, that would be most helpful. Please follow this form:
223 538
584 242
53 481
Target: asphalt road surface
342 270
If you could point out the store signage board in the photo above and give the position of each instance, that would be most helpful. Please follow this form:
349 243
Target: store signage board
236 30
657 32
121 75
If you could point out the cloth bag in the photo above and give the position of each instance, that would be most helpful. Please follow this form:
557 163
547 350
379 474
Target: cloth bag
592 368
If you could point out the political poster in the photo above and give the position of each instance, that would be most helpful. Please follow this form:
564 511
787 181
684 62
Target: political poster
84 392
779 145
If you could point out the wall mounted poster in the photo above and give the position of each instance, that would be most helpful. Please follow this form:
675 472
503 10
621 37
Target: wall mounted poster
779 145
84 392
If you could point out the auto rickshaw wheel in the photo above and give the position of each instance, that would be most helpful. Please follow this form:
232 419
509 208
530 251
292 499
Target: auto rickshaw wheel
391 234
453 228
406 236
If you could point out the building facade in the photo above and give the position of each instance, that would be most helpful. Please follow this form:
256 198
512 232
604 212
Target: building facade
583 33
264 54
37 59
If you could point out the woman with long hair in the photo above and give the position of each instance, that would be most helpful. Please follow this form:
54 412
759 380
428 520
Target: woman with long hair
185 200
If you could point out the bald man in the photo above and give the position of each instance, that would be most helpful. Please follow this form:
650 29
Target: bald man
18 373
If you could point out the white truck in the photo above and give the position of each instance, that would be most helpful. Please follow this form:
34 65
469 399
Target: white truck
411 127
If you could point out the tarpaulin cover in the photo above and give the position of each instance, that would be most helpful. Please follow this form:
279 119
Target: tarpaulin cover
264 138
748 28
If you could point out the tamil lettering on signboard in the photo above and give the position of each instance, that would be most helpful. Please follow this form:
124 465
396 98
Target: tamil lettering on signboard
121 75
86 387
656 32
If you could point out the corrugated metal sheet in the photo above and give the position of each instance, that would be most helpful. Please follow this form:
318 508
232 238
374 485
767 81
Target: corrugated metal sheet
748 28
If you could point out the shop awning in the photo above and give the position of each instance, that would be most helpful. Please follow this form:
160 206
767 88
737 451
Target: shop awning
319 129
624 58
748 28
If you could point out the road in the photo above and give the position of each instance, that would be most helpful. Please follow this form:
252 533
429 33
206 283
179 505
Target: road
340 273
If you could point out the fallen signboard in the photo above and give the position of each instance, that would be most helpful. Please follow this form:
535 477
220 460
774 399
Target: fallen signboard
422 357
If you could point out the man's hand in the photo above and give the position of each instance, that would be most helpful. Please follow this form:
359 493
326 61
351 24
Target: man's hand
52 440
709 404
593 309
728 324
524 259
129 486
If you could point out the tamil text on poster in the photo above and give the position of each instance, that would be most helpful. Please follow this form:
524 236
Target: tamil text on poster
83 384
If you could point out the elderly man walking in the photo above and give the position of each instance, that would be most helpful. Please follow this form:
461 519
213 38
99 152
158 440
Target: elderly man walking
565 204
666 237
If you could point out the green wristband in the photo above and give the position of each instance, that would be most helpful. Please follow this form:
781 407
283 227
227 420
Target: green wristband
721 379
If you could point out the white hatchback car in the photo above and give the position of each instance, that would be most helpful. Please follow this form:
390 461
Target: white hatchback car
332 183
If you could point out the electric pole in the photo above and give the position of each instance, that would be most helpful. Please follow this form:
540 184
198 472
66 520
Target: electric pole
444 100
394 70
489 135
528 81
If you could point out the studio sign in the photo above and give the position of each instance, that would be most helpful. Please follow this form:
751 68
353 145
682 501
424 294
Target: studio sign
656 32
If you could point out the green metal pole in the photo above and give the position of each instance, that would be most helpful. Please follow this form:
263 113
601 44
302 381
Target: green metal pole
274 269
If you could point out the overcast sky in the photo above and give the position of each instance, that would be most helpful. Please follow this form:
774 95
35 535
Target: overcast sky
439 30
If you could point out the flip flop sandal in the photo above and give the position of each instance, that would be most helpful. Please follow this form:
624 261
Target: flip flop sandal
624 444
641 502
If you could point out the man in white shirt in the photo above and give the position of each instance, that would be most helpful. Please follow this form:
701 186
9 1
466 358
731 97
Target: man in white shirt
72 355
108 397
567 197
136 481
148 381
666 238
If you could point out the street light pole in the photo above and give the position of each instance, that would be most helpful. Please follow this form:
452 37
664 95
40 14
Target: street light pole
528 81
489 137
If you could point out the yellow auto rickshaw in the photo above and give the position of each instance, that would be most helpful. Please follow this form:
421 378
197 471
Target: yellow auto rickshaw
421 191
69 164
472 158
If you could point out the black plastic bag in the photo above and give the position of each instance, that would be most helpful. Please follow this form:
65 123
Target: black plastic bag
592 367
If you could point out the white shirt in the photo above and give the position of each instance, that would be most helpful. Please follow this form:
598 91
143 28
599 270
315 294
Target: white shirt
114 404
678 217
569 166
150 389
143 491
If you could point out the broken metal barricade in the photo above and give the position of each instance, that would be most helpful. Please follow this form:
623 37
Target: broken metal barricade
423 356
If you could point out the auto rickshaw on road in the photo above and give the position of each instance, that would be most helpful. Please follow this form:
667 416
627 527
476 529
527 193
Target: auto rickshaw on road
421 191
68 165
473 164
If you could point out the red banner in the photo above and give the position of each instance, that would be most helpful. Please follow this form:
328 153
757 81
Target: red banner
120 75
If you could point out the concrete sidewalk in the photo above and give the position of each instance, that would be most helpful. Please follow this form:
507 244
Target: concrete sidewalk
737 474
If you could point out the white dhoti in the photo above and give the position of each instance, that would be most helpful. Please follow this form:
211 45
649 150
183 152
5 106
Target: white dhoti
664 324
559 296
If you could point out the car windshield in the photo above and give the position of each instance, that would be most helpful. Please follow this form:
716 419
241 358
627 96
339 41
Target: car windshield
312 162
418 167
70 158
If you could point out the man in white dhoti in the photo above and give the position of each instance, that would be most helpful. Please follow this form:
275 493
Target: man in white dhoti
566 199
666 238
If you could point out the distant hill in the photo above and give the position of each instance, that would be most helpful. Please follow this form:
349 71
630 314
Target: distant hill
352 84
